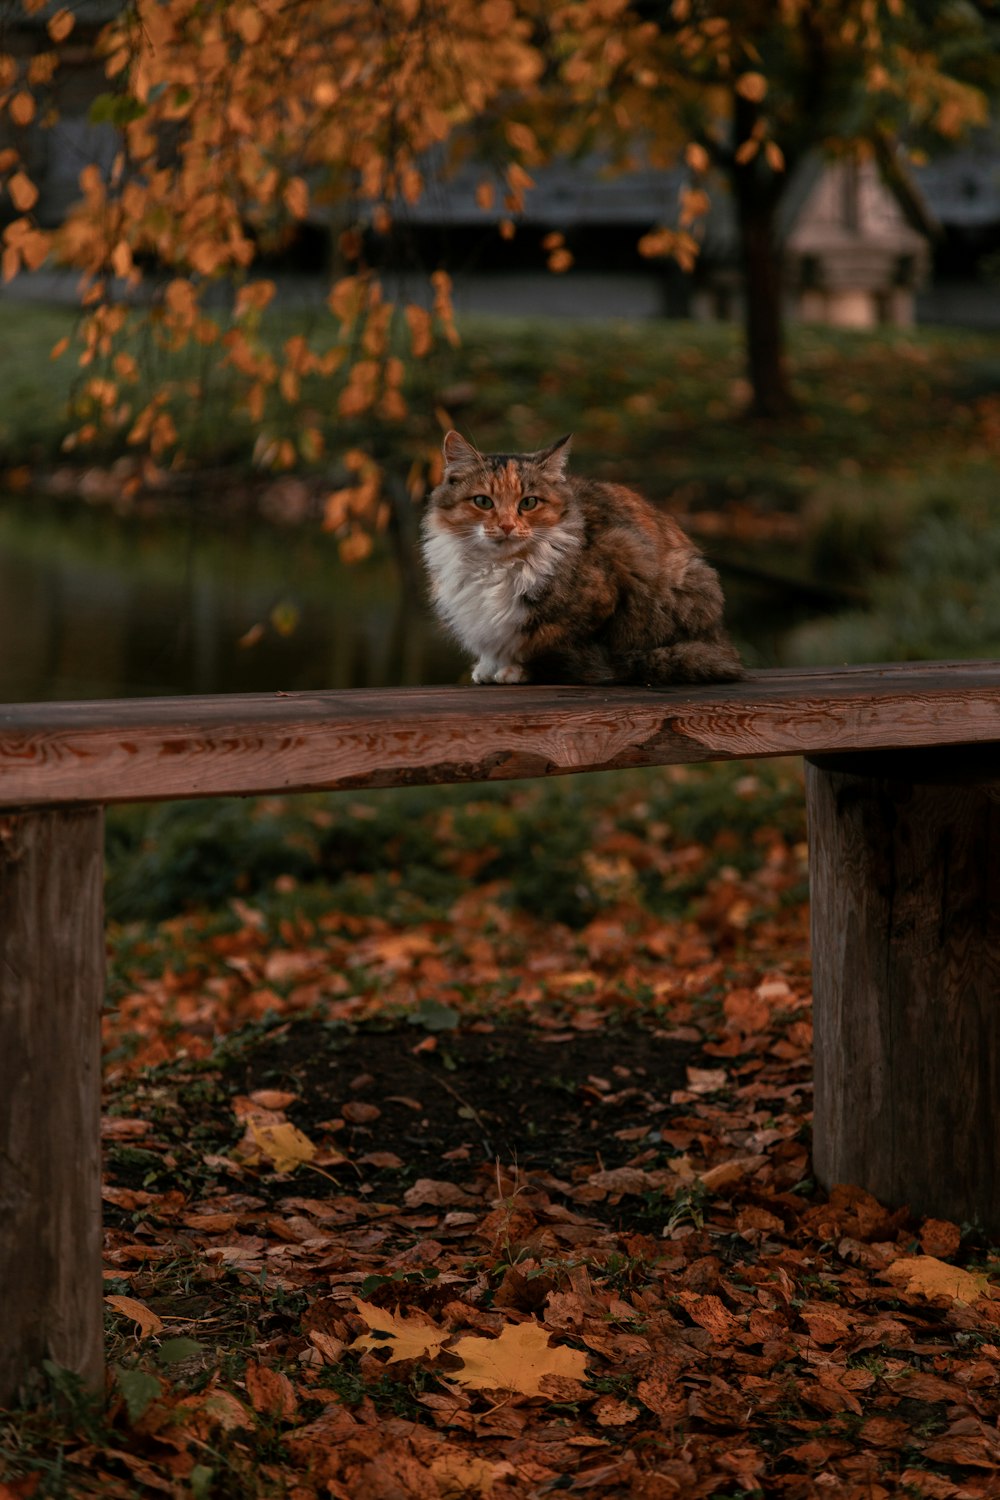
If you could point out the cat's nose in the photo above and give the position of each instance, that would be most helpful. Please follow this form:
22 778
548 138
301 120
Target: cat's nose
506 527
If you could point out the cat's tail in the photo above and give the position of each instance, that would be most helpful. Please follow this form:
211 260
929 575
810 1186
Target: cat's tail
690 661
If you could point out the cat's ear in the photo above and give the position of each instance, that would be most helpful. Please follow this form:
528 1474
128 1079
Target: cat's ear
458 453
553 460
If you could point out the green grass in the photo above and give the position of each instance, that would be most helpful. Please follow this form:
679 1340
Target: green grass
937 596
34 388
658 403
346 853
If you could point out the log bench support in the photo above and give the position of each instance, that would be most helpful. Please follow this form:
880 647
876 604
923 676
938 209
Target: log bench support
51 992
904 874
905 878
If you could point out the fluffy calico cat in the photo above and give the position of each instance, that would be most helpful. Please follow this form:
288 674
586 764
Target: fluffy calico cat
549 578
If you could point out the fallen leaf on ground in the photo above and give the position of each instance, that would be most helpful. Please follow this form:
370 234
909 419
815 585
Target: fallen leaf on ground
284 1146
929 1277
144 1316
270 1391
516 1361
214 1410
407 1338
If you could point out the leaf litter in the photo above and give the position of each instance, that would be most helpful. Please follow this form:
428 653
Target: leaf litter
489 1204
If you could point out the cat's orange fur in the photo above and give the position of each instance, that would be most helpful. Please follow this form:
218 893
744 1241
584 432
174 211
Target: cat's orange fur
547 577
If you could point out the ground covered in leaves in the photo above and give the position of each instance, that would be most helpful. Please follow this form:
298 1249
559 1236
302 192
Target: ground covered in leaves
460 1148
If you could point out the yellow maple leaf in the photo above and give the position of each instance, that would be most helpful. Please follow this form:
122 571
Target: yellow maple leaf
410 1339
284 1145
929 1277
516 1361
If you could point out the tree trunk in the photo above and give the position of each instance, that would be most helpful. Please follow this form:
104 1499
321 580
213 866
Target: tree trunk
51 993
757 193
767 369
904 852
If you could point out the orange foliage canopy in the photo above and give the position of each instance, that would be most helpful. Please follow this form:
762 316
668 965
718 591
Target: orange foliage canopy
239 120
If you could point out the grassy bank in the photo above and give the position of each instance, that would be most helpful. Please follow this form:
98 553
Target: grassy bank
660 402
881 492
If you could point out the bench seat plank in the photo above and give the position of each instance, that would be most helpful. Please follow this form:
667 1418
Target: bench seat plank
155 748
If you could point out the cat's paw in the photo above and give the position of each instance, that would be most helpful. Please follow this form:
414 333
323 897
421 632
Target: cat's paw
512 673
491 671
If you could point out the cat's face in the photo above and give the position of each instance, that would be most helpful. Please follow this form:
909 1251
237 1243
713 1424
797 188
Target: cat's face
501 504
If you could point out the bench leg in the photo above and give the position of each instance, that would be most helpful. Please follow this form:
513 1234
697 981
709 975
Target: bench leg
905 888
51 993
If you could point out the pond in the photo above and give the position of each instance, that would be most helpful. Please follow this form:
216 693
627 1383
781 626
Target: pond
96 605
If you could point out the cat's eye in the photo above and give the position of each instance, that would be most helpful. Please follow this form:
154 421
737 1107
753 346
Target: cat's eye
482 502
530 502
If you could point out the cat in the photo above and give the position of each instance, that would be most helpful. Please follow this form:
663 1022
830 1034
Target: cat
547 577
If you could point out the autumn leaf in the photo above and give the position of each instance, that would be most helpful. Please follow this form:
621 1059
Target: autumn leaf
23 192
611 1412
752 86
144 1316
706 1080
465 1474
270 1392
272 1098
440 1194
22 108
940 1237
928 1277
61 24
405 1338
214 1410
519 1360
296 197
284 1146
330 1349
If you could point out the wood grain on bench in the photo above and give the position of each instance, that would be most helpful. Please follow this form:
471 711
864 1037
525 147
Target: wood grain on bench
154 748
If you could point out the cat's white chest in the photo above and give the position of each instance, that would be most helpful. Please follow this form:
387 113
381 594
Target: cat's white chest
486 601
483 603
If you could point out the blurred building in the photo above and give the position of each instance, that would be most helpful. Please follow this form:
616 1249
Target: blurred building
852 256
855 253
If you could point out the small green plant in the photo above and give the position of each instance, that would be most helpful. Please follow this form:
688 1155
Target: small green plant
687 1207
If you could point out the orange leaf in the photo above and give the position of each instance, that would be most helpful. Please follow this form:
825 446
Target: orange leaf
273 1098
405 1338
752 86
23 192
296 197
22 108
940 1237
270 1392
929 1277
61 24
519 1360
249 24
129 1307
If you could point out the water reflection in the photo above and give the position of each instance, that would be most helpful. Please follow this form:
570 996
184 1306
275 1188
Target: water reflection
92 605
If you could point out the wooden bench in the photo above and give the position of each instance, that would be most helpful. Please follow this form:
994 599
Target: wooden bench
903 767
